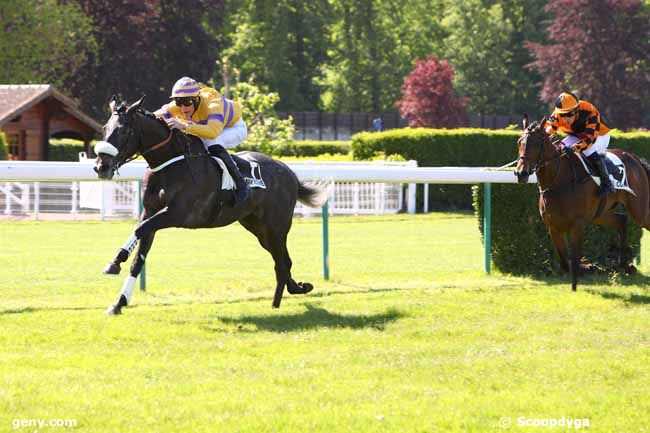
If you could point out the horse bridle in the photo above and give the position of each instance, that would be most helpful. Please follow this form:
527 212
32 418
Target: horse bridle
540 162
120 154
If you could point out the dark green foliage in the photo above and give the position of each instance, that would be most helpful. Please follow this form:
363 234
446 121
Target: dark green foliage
307 148
64 151
442 148
465 147
3 147
521 244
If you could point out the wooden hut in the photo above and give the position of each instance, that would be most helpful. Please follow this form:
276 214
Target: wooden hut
30 115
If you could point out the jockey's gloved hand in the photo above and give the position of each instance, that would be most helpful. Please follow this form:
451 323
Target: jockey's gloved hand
567 148
555 140
174 123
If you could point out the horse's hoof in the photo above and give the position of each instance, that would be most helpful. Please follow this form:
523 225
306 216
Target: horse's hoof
116 309
112 269
113 310
306 287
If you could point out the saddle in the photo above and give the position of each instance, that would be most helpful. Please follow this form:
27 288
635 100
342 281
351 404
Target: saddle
249 169
615 169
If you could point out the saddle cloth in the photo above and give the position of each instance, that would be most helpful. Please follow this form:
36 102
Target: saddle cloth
615 168
249 168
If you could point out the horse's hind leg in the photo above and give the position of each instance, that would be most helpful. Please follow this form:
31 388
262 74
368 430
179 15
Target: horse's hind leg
274 240
617 221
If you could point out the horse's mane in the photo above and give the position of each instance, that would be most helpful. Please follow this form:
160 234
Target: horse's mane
150 115
533 125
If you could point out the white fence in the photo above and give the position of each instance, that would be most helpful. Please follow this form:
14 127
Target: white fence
22 198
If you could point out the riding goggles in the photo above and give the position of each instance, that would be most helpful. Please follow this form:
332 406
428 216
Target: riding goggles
185 101
569 114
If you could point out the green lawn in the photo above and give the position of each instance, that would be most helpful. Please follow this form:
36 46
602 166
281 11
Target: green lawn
409 335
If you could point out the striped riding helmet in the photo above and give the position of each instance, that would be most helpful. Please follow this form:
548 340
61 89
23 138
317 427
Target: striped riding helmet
185 87
566 102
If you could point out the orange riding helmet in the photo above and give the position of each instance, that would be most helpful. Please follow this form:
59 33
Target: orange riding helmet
566 103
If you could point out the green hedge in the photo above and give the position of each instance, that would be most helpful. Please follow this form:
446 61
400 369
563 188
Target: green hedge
465 147
65 150
3 147
307 148
520 243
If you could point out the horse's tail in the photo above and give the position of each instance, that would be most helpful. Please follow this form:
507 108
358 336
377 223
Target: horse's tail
314 195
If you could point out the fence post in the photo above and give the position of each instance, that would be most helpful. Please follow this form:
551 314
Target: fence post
74 188
143 271
326 242
487 224
37 199
426 198
412 191
8 199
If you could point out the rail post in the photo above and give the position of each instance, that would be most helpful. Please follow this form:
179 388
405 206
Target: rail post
487 225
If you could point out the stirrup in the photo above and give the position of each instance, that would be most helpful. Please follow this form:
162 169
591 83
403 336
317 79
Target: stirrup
605 188
242 192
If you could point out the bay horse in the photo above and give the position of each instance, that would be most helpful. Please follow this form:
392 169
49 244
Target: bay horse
181 190
568 198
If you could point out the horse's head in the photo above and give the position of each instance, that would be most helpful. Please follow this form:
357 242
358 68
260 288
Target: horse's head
121 140
531 146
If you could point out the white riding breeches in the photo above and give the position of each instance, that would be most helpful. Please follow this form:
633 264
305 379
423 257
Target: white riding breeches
600 145
230 137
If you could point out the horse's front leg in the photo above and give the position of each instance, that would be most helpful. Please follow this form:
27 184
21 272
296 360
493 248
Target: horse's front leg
576 235
124 298
113 267
145 234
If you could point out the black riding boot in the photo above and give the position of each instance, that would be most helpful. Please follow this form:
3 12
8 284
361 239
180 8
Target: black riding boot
599 163
242 191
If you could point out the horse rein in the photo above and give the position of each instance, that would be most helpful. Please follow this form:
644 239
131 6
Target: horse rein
539 163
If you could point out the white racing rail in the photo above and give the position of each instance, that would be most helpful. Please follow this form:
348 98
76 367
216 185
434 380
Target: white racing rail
77 171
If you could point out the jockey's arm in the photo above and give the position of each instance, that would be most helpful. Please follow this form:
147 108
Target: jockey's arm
593 125
552 124
163 112
213 125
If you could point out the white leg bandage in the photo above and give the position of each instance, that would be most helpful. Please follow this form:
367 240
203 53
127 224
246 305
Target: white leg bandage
127 288
130 244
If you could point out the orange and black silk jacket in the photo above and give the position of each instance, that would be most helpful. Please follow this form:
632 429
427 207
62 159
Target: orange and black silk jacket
587 125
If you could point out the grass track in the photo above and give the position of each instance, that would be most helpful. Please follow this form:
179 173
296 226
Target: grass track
409 335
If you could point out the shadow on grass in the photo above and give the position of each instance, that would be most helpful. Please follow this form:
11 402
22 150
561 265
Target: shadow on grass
627 298
596 277
312 318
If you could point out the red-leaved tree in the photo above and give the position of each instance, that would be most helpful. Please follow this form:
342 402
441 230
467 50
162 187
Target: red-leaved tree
428 97
600 48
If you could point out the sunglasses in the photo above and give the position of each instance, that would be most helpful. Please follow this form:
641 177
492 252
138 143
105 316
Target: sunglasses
571 114
185 101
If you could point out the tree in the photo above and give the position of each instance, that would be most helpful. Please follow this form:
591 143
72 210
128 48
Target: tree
373 44
280 44
428 97
145 46
478 47
601 49
265 129
43 42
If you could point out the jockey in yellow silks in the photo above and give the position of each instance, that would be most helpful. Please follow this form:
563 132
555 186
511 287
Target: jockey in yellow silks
216 120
